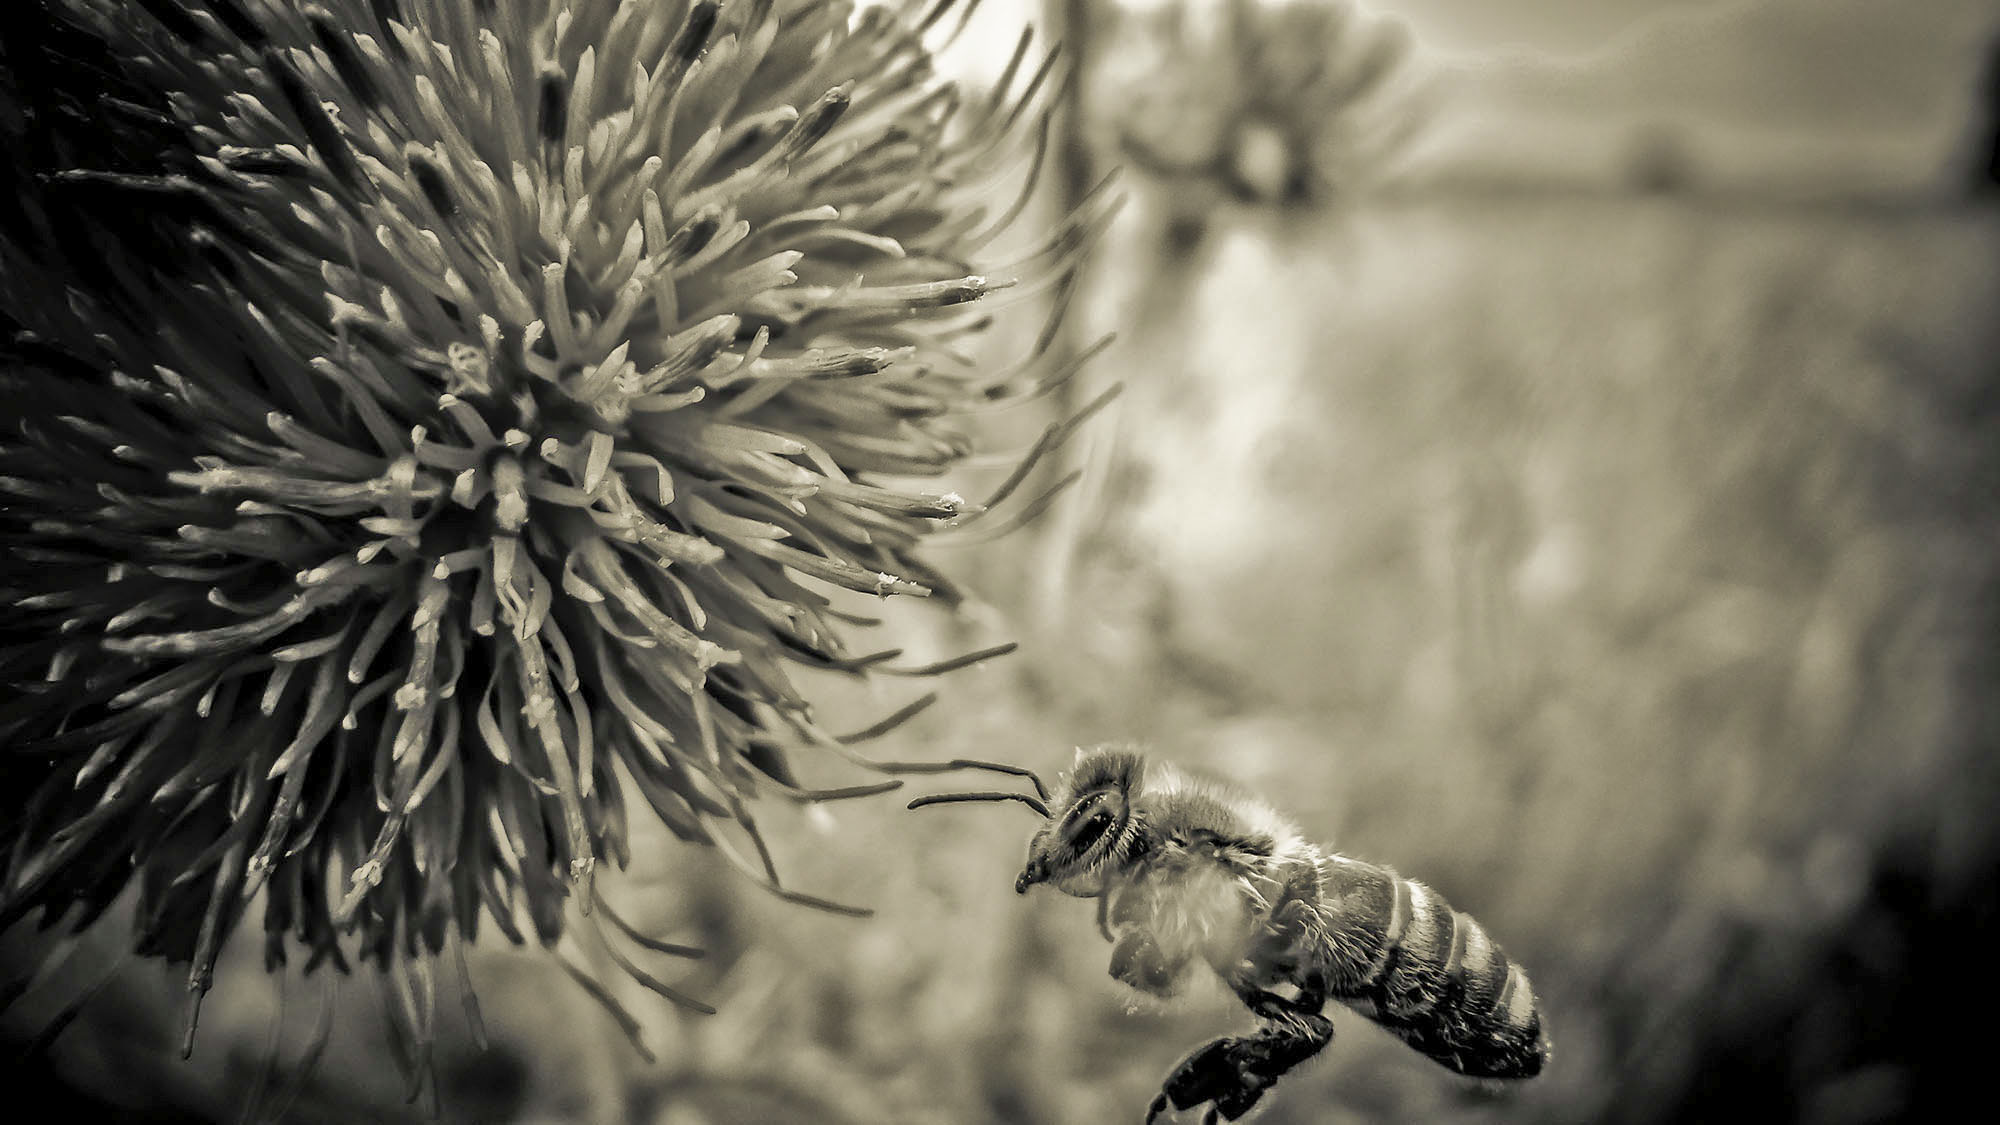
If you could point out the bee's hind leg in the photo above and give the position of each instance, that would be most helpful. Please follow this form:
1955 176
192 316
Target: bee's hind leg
1232 1073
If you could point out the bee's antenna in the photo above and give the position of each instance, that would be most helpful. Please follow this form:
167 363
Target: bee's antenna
1034 803
961 764
1000 767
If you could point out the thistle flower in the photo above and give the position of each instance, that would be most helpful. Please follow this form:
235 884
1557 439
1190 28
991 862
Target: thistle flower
1272 101
441 424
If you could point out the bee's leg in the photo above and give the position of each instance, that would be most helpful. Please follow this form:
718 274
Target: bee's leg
1271 1006
1138 961
1296 1030
1210 1074
1274 1052
1232 1073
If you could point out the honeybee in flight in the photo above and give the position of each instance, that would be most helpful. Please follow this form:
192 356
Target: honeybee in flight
1187 871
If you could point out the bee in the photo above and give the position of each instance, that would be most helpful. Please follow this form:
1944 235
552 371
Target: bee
1189 872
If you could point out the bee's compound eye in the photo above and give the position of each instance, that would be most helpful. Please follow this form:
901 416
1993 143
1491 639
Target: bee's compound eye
1084 806
1091 830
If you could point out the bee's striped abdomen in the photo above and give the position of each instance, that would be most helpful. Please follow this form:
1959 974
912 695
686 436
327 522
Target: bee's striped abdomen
1440 984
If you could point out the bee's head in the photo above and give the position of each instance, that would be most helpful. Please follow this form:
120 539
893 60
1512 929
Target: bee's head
1093 825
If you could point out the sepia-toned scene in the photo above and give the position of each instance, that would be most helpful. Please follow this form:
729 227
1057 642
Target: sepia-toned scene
508 503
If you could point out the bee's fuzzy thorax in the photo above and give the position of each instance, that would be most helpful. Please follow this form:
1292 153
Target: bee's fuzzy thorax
1197 866
1180 805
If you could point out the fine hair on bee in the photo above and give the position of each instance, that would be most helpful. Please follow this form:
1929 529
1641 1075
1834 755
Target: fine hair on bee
1189 872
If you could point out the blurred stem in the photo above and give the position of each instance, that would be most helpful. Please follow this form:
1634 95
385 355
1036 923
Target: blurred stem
1074 170
1069 23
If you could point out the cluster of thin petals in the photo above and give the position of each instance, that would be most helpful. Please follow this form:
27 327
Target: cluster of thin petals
530 384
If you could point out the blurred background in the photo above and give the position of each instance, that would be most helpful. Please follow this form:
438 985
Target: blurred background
1555 460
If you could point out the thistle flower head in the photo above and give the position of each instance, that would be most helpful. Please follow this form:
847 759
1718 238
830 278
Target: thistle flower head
501 399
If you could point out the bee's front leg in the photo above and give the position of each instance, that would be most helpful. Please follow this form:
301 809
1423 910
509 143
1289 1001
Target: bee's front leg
1232 1073
1139 961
